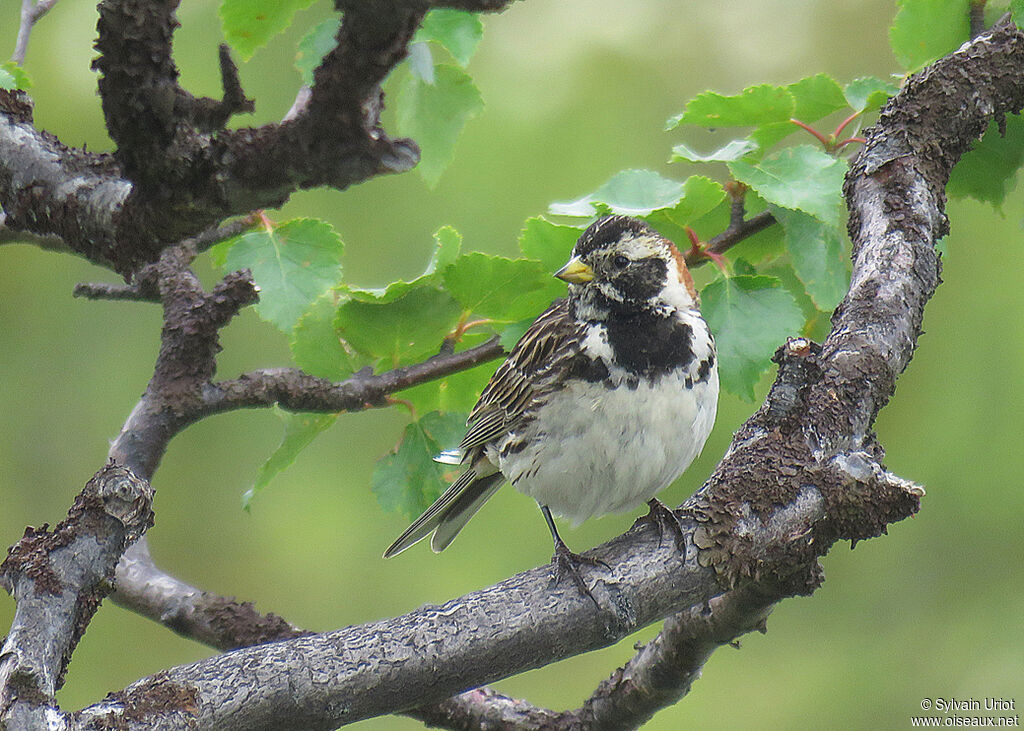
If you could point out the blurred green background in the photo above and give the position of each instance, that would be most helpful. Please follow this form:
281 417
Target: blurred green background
575 91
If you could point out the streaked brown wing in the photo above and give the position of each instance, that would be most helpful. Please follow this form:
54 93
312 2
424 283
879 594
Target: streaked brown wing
532 369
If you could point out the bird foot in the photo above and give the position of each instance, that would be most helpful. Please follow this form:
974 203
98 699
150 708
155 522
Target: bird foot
567 564
667 521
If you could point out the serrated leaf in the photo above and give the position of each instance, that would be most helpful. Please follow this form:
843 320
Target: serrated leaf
924 30
630 192
549 243
293 263
13 76
700 196
753 106
408 480
317 43
249 24
869 93
750 317
501 289
434 115
734 150
316 347
814 97
989 171
817 254
459 31
803 177
447 242
299 432
405 330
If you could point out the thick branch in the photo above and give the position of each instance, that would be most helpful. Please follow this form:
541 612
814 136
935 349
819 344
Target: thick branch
58 580
757 518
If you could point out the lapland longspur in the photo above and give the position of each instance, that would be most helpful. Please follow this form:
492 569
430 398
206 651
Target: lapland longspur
606 399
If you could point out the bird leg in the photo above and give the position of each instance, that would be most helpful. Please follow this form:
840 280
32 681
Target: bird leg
568 563
666 520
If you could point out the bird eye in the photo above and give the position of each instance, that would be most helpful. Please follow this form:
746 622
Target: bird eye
620 262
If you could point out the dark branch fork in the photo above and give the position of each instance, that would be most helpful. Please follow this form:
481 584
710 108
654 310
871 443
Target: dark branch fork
802 473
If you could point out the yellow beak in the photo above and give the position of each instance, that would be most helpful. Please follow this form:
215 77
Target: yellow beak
575 272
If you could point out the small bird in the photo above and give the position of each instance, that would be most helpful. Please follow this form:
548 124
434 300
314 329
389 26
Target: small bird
605 400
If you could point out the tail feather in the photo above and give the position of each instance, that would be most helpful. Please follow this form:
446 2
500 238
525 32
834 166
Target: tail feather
452 508
464 508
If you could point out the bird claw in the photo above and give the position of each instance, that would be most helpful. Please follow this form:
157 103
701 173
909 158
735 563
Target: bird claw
666 520
568 564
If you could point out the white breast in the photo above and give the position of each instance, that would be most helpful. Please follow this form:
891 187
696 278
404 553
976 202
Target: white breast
594 450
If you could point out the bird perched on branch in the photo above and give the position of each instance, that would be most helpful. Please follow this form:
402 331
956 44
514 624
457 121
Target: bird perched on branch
606 399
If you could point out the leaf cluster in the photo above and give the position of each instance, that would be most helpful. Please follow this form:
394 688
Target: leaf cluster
781 282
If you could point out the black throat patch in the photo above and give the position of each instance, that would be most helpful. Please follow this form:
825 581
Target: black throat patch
649 344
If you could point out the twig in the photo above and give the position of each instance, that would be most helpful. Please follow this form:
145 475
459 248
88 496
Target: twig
734 234
111 291
294 390
31 12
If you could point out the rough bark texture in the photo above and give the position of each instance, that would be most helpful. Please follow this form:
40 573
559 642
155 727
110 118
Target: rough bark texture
802 473
176 170
59 579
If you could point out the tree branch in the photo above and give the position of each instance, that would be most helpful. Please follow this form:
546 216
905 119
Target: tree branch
176 170
758 523
31 12
58 580
295 390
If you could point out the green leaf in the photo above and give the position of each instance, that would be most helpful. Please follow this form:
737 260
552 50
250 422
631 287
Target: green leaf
816 97
549 243
501 289
1017 12
750 317
13 76
817 254
631 192
700 196
458 31
753 106
869 93
405 330
317 43
408 480
249 24
803 177
299 432
989 171
316 346
734 150
434 116
447 242
925 30
293 264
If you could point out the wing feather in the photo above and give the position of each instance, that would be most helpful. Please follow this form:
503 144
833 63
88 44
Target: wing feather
528 374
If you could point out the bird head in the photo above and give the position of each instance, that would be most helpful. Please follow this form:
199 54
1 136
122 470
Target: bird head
622 264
